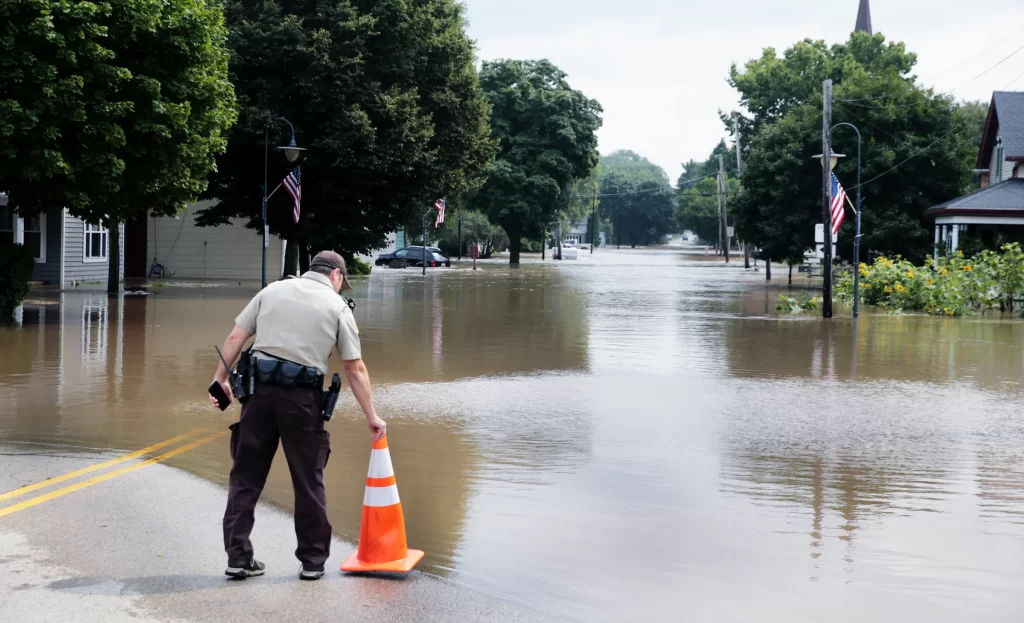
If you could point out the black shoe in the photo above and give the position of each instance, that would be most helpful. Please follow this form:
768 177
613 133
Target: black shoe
311 574
254 568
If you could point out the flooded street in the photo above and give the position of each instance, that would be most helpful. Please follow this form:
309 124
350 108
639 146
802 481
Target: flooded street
634 435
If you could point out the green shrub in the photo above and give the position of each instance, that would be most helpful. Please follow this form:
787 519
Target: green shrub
357 267
954 286
16 266
804 302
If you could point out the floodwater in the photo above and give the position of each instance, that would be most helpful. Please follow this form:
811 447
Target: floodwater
630 436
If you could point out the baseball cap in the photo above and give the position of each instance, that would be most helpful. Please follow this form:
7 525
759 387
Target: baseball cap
332 260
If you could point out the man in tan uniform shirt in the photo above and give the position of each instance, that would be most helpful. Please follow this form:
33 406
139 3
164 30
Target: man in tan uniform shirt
297 324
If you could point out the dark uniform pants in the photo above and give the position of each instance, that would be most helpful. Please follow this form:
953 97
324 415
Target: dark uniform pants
293 416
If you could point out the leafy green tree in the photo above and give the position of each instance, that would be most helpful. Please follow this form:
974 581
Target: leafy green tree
915 152
772 85
475 228
637 198
385 96
973 116
698 207
111 109
694 170
547 134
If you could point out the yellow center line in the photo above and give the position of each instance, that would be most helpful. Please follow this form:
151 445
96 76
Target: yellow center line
46 497
86 470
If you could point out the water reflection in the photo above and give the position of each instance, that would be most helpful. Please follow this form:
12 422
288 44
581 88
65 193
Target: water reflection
628 436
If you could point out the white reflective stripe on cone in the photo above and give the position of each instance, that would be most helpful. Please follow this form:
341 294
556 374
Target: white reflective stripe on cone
380 464
381 496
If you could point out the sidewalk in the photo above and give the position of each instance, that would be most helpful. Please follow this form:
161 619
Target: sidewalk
146 546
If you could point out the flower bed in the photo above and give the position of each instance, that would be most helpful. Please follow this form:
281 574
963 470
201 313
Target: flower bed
954 286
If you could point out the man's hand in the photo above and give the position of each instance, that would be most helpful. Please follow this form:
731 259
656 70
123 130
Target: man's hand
378 427
227 390
232 347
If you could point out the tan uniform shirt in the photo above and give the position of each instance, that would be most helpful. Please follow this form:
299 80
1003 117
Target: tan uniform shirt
302 320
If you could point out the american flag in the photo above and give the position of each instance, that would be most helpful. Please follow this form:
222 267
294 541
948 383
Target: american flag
293 183
838 199
440 211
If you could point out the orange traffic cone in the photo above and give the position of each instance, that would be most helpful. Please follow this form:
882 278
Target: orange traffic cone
382 545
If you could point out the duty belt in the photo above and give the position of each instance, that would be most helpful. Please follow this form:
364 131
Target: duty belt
287 375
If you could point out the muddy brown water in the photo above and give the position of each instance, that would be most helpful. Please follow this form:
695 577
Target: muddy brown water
632 435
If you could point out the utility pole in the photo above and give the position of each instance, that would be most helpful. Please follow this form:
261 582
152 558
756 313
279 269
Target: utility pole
739 174
826 197
593 222
724 234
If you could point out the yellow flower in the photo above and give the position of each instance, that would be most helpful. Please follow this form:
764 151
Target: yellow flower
888 289
867 285
910 274
899 287
960 253
967 268
943 271
931 282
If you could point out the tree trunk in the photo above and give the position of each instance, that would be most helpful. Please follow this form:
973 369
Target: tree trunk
291 256
767 269
515 244
791 275
544 249
113 257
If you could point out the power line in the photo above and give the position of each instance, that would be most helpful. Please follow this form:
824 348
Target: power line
854 102
1014 33
936 141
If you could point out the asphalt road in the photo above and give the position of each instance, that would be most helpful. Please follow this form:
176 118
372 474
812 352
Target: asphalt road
146 546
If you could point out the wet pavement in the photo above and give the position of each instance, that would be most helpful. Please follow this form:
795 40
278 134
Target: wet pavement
637 434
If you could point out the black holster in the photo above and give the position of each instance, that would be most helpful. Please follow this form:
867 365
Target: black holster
331 397
242 377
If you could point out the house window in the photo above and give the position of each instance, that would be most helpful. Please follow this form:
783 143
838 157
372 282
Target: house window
35 236
95 243
6 225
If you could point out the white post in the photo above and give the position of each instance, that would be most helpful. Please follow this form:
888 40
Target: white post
955 240
935 255
19 230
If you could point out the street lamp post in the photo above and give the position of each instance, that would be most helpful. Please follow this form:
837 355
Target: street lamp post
856 238
292 152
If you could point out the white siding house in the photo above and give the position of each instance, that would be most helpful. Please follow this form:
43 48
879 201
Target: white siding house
996 210
176 247
65 255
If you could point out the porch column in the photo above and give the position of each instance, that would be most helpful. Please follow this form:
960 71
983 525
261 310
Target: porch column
935 255
955 240
19 230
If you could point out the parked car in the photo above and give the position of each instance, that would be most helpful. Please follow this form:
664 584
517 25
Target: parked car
414 256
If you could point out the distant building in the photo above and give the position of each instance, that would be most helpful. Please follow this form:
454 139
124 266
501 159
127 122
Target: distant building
864 18
67 250
996 211
580 233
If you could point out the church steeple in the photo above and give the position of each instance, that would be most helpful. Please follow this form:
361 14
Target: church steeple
864 18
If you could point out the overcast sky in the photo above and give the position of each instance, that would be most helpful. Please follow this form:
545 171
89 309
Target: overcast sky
658 67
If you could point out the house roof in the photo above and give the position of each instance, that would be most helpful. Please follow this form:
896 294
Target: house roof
1002 199
1006 120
